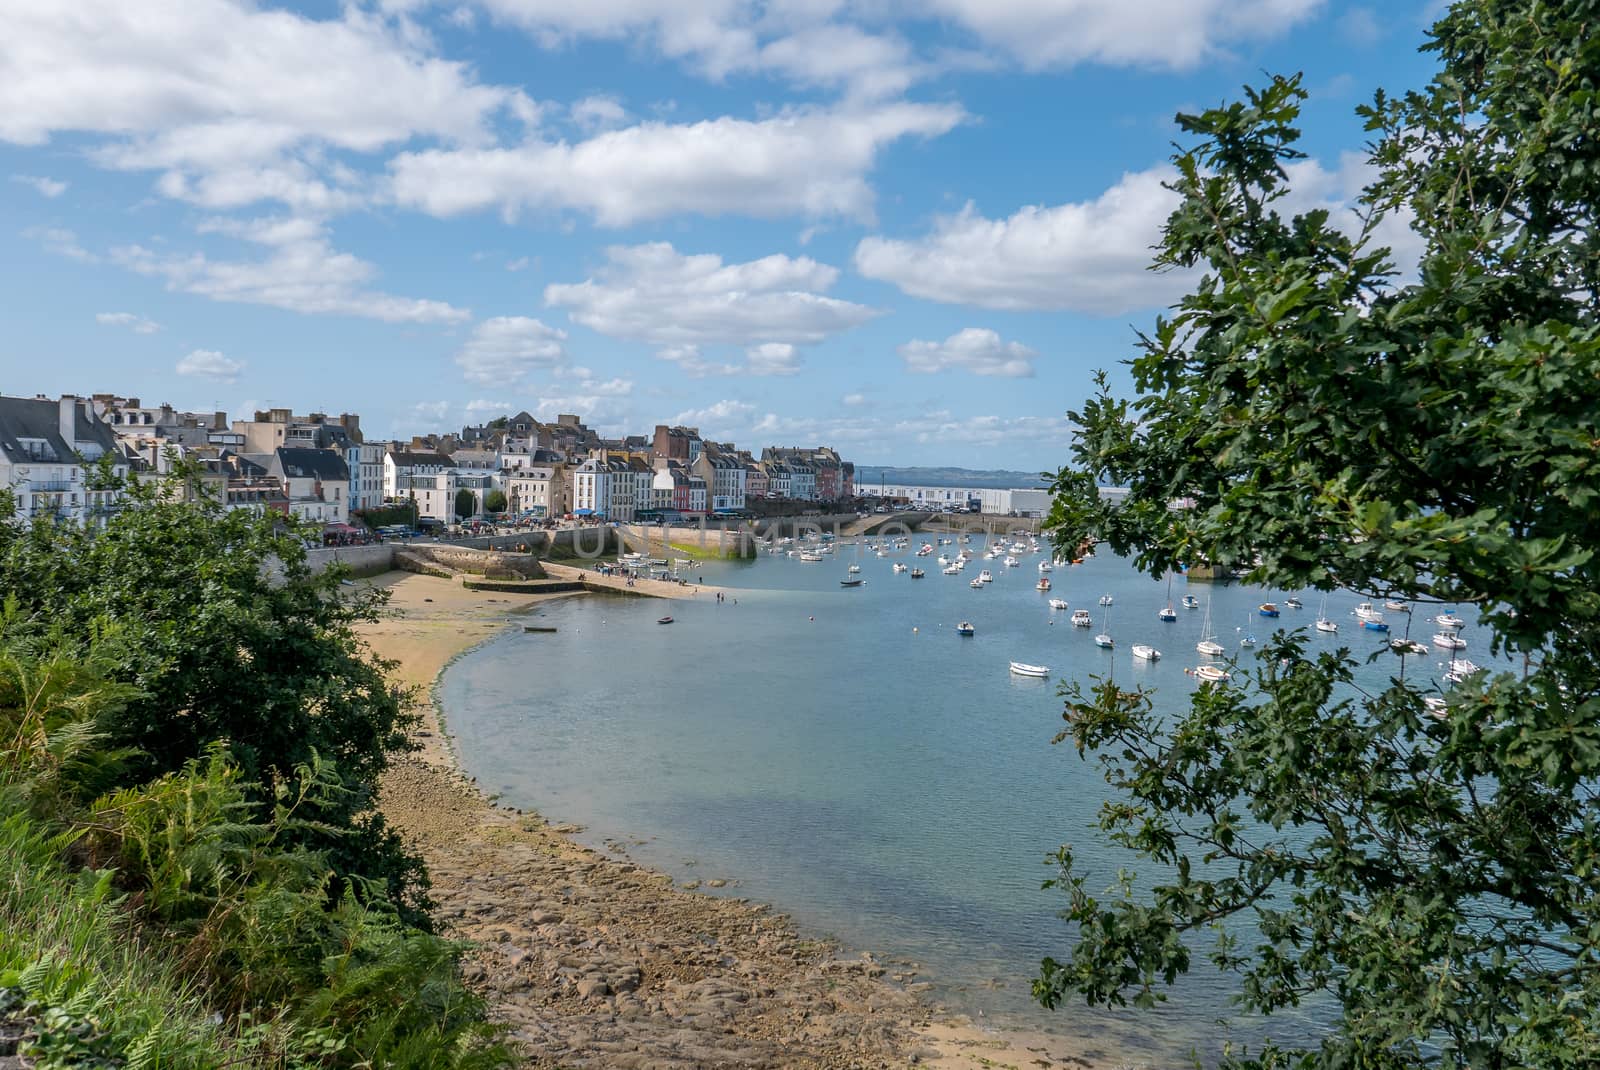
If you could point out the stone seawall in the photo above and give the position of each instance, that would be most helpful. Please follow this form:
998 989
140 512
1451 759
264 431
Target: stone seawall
490 564
708 542
361 560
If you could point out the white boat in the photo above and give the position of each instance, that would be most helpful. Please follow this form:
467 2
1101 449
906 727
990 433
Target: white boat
899 566
809 556
1104 638
1448 620
1366 612
1189 601
1323 623
1081 618
1105 600
1407 646
1397 605
1449 640
1043 584
943 560
985 576
1058 603
976 585
883 553
1145 652
1044 566
1210 674
1460 669
1208 644
951 570
965 628
1019 668
1012 562
853 568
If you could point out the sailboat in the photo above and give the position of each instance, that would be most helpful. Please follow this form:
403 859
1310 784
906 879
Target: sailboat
1168 614
1249 636
1104 638
1323 623
1208 644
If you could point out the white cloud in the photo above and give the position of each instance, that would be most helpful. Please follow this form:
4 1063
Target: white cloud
599 112
301 272
210 364
61 242
136 324
504 349
654 294
42 185
1087 256
231 101
1153 33
804 162
853 400
773 358
974 349
718 419
946 428
519 264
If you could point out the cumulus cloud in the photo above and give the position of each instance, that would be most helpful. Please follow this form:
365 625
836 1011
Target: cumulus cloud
975 349
853 400
1086 256
599 112
773 358
42 185
136 324
652 293
210 364
504 349
805 162
718 419
301 272
61 242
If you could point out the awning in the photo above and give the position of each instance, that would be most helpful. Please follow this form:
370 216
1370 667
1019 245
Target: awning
583 512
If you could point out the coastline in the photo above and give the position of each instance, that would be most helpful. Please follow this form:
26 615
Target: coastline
594 960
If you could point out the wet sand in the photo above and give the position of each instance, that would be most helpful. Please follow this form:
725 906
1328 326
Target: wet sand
592 960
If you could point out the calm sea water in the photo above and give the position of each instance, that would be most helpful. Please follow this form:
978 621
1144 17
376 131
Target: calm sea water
844 755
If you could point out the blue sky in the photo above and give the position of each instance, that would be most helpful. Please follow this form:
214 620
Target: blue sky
910 230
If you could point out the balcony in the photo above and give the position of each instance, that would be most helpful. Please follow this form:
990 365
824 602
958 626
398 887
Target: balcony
52 487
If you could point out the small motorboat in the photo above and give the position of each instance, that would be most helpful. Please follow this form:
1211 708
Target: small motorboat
1460 669
1210 648
1058 603
1407 646
851 583
965 628
1326 625
1145 652
976 585
1043 584
1106 600
1210 673
1397 605
1012 562
810 556
986 576
663 620
951 570
1104 640
1248 640
1167 614
1190 602
1366 612
1448 620
1081 618
1375 625
1267 609
899 566
917 573
1449 640
1294 603
853 568
1045 566
1437 707
1019 668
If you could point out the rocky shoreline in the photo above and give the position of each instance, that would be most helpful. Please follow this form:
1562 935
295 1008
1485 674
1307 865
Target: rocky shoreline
592 960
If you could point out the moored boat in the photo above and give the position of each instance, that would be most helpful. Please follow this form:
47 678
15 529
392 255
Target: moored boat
1267 609
1449 641
1448 620
1407 646
1397 605
1043 584
976 585
1375 625
1210 673
1106 600
663 620
1058 603
1189 601
899 566
1145 652
851 583
1294 603
1019 668
1366 612
986 576
917 573
1081 618
965 628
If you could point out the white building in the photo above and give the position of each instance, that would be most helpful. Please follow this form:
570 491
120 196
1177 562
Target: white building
428 479
317 483
47 450
591 488
365 461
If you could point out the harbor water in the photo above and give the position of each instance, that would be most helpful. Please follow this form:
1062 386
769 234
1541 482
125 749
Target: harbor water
844 755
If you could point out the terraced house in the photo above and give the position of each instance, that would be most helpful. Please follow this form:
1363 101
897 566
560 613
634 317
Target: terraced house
47 452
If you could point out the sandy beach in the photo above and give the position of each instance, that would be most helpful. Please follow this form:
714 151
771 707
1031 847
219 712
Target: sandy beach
592 960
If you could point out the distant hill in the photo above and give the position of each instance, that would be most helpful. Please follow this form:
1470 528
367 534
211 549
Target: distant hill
867 475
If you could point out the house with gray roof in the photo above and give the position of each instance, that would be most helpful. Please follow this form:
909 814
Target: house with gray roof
48 450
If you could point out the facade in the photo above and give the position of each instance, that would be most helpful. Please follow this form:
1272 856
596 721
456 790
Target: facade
676 443
427 479
365 462
1019 501
280 427
316 482
47 450
724 477
755 481
131 420
534 491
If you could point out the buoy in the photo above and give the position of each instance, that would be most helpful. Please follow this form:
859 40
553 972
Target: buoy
914 629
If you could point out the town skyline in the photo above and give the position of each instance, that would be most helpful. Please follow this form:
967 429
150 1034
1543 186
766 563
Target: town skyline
913 233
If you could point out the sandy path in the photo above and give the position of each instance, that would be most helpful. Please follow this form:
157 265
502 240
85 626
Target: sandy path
595 961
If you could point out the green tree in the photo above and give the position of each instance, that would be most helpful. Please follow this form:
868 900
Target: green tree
466 503
218 620
494 502
1428 873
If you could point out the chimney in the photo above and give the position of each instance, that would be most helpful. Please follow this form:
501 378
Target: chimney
68 420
